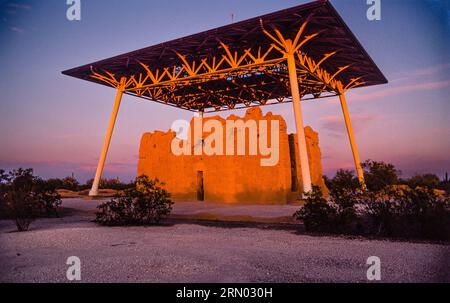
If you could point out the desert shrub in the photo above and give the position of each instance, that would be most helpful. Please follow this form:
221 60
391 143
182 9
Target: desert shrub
3 186
147 203
344 193
25 197
343 181
431 181
411 213
344 187
426 180
379 175
55 183
114 184
48 197
72 184
389 212
336 214
445 185
69 183
317 214
21 202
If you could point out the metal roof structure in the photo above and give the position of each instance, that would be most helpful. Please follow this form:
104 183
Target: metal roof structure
304 52
245 63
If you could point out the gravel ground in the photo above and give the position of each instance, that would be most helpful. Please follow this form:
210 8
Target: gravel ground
208 210
195 253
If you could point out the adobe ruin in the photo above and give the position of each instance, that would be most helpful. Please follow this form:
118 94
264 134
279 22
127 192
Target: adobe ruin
238 179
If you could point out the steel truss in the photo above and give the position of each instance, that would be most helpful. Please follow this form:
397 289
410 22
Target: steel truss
235 78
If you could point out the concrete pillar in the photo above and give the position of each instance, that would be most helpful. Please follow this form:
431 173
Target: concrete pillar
112 122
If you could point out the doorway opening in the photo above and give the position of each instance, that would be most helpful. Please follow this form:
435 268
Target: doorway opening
200 187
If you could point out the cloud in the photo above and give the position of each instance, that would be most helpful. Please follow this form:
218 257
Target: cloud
396 90
423 72
419 80
19 6
336 124
331 166
17 29
13 8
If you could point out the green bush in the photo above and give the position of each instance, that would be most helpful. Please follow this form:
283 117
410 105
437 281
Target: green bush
25 197
147 203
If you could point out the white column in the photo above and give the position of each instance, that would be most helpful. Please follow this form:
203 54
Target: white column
351 137
109 133
302 150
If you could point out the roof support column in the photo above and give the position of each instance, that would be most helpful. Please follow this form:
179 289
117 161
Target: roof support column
302 150
109 132
351 137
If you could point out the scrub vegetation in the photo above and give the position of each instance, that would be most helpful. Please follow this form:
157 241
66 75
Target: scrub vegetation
387 206
72 184
145 204
25 197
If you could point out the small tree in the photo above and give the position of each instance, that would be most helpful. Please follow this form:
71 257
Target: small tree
26 197
48 197
70 183
21 199
317 214
146 203
343 184
379 175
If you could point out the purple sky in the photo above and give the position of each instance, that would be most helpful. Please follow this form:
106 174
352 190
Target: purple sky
56 124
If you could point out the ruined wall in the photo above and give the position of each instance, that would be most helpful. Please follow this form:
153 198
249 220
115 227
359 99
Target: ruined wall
230 179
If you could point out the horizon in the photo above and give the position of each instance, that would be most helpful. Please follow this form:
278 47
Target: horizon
64 133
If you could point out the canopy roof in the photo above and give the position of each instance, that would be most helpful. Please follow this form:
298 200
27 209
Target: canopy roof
244 64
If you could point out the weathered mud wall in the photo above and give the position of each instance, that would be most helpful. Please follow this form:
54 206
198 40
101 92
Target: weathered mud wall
234 179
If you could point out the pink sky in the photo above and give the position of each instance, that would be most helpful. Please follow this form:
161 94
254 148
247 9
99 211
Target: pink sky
56 124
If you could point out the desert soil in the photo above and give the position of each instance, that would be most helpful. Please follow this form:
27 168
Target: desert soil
192 252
